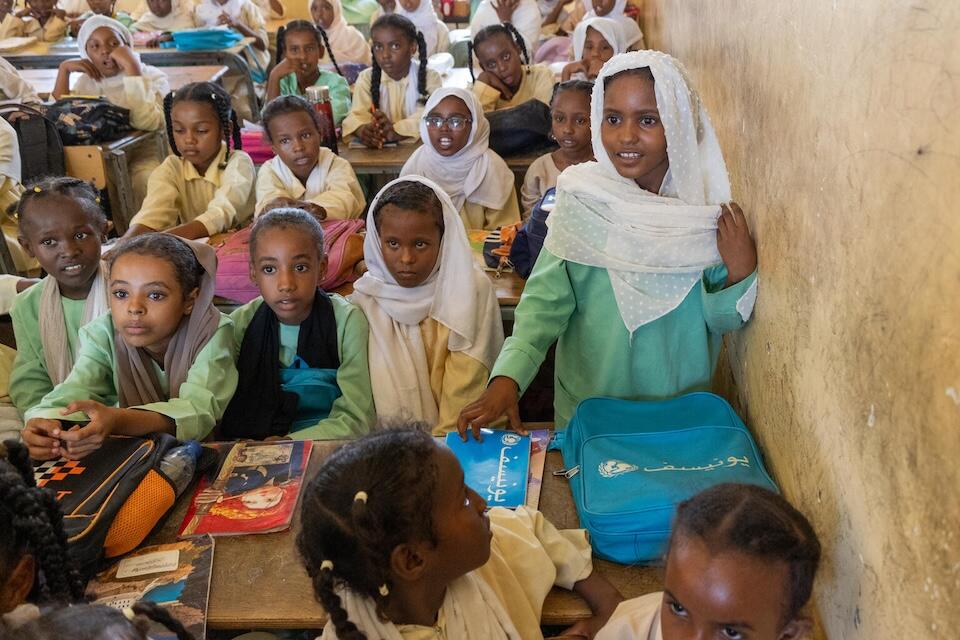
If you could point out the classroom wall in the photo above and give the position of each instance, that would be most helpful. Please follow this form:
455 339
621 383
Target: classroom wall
840 122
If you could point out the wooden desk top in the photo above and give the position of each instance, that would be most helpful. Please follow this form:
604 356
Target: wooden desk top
391 159
258 581
62 48
43 80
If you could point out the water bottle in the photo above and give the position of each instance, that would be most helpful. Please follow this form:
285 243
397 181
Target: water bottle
180 463
319 96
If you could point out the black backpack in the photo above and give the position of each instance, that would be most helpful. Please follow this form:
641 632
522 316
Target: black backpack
88 120
41 150
524 128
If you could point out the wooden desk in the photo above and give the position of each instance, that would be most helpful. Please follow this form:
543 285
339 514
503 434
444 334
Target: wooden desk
259 583
390 160
43 80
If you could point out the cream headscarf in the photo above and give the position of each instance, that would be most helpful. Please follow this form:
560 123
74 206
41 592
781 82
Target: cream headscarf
135 373
149 72
426 22
208 12
526 18
179 18
347 43
609 29
53 326
458 295
475 173
632 35
654 247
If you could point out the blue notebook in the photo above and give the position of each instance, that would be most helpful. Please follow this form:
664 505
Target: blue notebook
495 468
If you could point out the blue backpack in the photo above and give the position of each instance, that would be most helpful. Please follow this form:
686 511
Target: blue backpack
529 241
630 464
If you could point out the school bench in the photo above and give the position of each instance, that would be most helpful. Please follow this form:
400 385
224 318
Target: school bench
259 583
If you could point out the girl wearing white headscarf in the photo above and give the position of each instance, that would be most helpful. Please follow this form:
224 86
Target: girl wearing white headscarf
346 42
478 181
179 17
588 60
142 93
431 345
634 284
526 18
632 35
424 17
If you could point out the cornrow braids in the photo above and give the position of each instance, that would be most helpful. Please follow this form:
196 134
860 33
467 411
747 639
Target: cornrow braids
305 25
407 28
286 218
370 496
217 97
100 622
32 523
756 522
519 41
287 104
326 45
583 86
81 192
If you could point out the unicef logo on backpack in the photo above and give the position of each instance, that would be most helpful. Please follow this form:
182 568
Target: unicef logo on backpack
509 439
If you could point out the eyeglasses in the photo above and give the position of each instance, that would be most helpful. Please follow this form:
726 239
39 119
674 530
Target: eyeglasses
454 122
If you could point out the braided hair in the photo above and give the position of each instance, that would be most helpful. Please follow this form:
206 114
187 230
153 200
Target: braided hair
31 523
282 105
100 622
583 86
407 28
756 522
305 25
346 539
217 97
77 190
506 29
411 196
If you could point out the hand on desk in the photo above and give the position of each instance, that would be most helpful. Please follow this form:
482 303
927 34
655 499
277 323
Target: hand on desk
500 398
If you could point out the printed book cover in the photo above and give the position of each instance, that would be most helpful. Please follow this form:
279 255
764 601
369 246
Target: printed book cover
539 441
256 490
175 575
497 467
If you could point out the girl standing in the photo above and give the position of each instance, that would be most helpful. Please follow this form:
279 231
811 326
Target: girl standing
435 326
507 79
639 245
456 156
388 98
161 360
205 187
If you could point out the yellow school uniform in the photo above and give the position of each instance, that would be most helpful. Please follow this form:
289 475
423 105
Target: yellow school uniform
456 379
13 87
405 124
10 423
11 26
537 84
540 178
54 29
332 185
221 199
477 216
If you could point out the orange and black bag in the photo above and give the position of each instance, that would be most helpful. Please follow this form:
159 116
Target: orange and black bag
112 498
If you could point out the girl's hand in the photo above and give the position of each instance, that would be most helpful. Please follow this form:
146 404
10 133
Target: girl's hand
59 13
226 20
23 13
501 397
79 65
284 68
488 78
83 440
155 42
370 136
505 9
127 60
278 203
577 66
42 437
313 209
735 244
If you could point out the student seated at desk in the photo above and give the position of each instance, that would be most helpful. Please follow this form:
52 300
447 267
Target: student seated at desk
205 187
10 192
62 225
347 44
303 173
435 326
109 67
740 564
161 360
595 40
300 45
399 547
166 16
301 353
614 10
664 293
41 19
387 106
13 88
10 25
35 565
524 15
100 8
436 33
570 127
507 79
270 9
456 156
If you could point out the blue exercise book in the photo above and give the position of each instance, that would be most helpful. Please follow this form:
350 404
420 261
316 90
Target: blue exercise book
495 468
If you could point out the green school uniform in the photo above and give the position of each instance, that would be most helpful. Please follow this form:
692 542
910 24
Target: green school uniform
203 396
670 356
340 98
29 380
352 414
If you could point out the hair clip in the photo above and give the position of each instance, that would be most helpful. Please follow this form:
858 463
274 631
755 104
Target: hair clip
326 565
97 199
384 590
129 614
37 190
361 496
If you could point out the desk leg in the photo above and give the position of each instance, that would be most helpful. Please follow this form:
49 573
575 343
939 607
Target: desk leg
120 188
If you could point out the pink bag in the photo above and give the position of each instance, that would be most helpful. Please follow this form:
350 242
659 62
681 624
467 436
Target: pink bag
342 244
256 146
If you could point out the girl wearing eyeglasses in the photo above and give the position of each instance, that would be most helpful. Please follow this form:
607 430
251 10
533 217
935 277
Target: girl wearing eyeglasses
435 325
456 156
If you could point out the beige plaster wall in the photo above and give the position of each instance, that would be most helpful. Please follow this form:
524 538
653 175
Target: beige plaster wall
841 127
